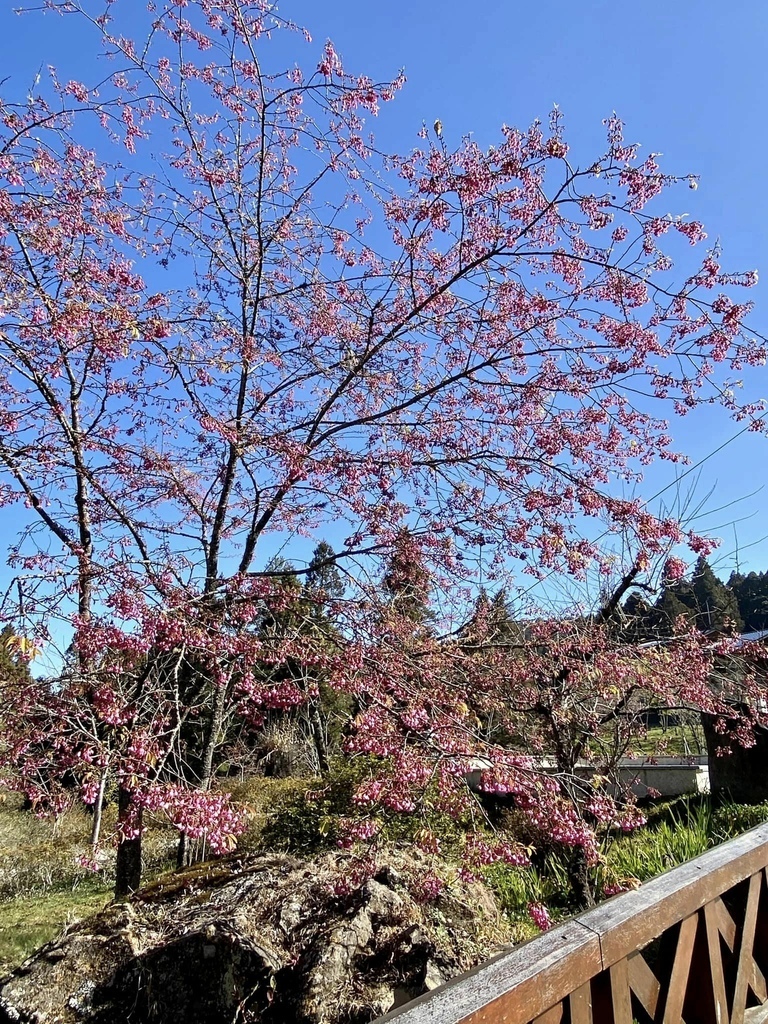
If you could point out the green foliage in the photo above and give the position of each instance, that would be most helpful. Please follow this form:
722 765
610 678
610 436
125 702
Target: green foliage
731 820
716 604
683 834
337 710
515 888
323 576
546 883
752 595
448 832
675 602
495 618
306 823
305 610
704 601
307 817
407 582
682 737
677 832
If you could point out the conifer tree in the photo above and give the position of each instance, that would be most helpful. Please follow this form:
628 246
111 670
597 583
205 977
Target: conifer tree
406 580
751 593
716 604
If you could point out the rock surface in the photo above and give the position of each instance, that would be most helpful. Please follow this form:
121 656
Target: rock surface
267 939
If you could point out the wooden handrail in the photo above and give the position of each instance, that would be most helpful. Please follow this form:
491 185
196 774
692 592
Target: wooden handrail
690 946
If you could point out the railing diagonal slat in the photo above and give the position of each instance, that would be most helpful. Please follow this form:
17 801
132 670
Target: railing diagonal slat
746 960
550 979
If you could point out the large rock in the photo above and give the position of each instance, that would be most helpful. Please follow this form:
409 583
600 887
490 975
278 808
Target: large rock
267 940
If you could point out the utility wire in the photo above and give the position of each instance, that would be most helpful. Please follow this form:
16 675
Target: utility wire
673 483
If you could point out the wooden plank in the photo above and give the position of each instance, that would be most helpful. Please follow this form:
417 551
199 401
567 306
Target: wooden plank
552 1016
678 982
644 983
628 922
716 964
725 923
757 982
516 986
580 1003
520 985
620 995
746 961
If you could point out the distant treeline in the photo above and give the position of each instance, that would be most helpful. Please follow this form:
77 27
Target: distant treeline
739 605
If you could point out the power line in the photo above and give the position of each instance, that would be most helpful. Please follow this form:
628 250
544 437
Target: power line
673 483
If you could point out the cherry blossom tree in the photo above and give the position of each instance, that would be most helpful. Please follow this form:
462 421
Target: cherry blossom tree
539 713
229 321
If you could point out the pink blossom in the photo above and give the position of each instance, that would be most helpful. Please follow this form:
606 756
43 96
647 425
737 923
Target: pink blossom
540 916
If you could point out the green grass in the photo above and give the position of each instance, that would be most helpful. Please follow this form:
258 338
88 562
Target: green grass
680 835
43 886
515 888
29 921
683 739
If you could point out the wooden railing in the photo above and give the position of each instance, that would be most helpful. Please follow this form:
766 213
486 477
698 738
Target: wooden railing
691 945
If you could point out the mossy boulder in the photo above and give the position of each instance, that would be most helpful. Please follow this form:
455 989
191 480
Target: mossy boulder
334 940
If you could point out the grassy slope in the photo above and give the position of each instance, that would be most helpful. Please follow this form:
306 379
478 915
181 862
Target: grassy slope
42 885
27 922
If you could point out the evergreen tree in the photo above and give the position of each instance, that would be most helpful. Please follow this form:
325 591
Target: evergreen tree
298 611
636 606
703 600
492 618
323 575
751 593
716 605
676 600
407 581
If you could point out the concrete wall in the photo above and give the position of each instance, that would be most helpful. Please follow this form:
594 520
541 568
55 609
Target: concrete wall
669 776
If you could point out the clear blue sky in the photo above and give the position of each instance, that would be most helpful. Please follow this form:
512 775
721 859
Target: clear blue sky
689 77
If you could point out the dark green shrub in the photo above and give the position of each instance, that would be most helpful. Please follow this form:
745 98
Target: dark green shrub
731 820
308 818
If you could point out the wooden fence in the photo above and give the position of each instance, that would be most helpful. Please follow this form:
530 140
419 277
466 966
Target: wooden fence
691 945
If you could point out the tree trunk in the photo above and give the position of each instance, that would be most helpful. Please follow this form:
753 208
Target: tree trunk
182 849
187 854
577 868
128 867
217 717
318 736
98 809
580 882
740 774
